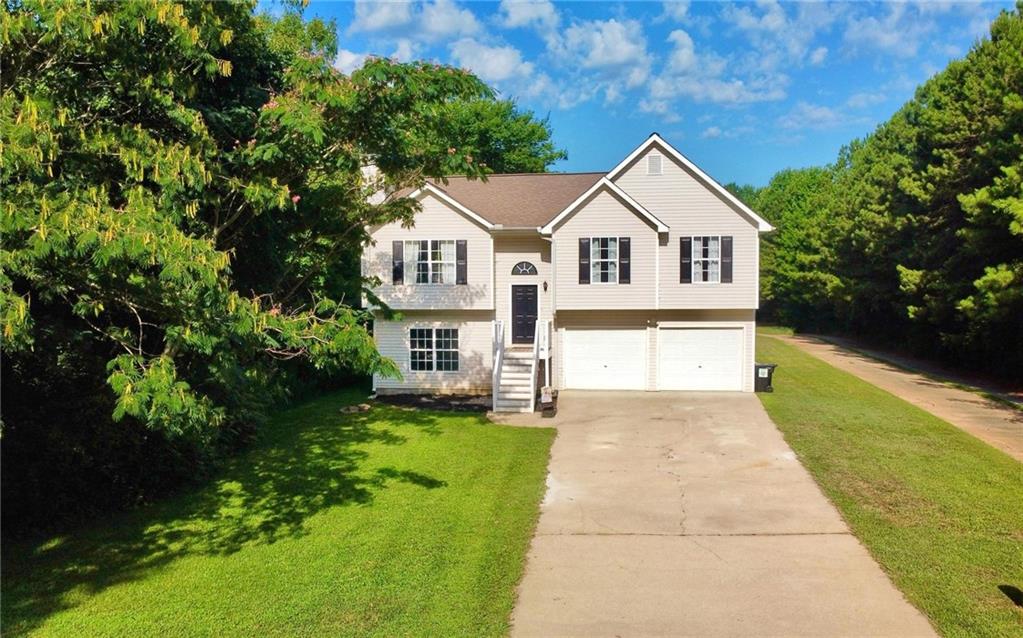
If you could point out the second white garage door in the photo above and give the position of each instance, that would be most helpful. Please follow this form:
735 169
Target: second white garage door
699 358
605 359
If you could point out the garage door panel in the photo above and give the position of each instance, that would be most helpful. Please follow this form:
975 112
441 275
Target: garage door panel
611 359
700 359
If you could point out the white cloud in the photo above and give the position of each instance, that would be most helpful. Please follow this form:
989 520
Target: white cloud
661 108
347 61
558 93
701 77
717 90
677 10
491 64
771 20
604 55
862 100
683 57
429 21
443 19
818 55
781 35
898 33
814 116
523 13
711 133
934 6
685 60
380 16
607 43
731 133
405 50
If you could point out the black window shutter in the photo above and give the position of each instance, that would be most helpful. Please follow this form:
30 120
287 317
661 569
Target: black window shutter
584 260
624 260
685 265
726 260
685 273
397 263
461 263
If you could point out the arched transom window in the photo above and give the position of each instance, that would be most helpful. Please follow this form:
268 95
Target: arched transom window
524 268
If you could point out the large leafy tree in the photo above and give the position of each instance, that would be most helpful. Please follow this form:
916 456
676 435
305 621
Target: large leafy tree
932 203
795 259
184 187
915 235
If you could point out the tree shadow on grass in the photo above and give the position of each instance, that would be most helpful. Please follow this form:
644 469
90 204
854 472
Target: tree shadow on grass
309 461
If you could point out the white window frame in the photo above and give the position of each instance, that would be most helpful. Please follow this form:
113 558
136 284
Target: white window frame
433 267
595 259
433 349
701 259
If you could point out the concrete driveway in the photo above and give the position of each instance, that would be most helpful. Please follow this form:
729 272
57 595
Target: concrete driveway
688 514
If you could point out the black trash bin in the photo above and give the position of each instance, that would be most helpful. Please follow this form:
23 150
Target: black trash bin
764 376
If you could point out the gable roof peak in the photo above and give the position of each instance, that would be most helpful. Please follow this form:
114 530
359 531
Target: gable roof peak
762 224
605 183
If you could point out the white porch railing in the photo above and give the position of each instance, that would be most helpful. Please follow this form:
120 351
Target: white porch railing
532 368
541 350
543 336
498 335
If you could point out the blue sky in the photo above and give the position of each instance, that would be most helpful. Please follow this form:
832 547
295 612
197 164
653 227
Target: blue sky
743 89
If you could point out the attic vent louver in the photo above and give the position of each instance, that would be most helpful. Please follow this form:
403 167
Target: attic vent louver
653 164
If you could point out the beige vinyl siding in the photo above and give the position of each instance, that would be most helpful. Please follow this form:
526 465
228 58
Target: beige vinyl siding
474 352
652 321
439 221
690 209
604 215
509 251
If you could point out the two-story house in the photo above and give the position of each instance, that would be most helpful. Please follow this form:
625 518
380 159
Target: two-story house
641 278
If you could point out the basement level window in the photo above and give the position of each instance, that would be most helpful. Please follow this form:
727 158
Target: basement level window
653 164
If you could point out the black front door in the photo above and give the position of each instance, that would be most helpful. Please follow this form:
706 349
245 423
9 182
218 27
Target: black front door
523 313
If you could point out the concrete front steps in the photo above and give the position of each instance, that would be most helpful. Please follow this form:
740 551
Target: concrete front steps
514 393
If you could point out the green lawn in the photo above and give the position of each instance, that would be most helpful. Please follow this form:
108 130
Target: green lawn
389 522
941 511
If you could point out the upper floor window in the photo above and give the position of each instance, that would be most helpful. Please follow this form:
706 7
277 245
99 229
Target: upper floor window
653 164
432 261
604 260
433 349
707 260
524 268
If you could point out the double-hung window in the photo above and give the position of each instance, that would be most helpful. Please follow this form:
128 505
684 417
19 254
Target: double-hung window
433 349
433 260
604 260
707 260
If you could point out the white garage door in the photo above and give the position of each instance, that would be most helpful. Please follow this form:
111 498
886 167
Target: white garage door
605 359
699 359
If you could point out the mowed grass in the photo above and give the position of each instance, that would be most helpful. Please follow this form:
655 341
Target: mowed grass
389 522
941 511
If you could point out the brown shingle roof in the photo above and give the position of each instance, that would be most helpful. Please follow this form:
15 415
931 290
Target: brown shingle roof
521 199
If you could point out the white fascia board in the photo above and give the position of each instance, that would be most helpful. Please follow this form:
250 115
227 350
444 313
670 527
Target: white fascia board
604 182
762 224
447 199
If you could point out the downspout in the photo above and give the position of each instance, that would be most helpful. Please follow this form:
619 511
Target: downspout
554 305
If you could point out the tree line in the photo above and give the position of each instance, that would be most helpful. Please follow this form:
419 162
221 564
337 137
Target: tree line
913 237
184 202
